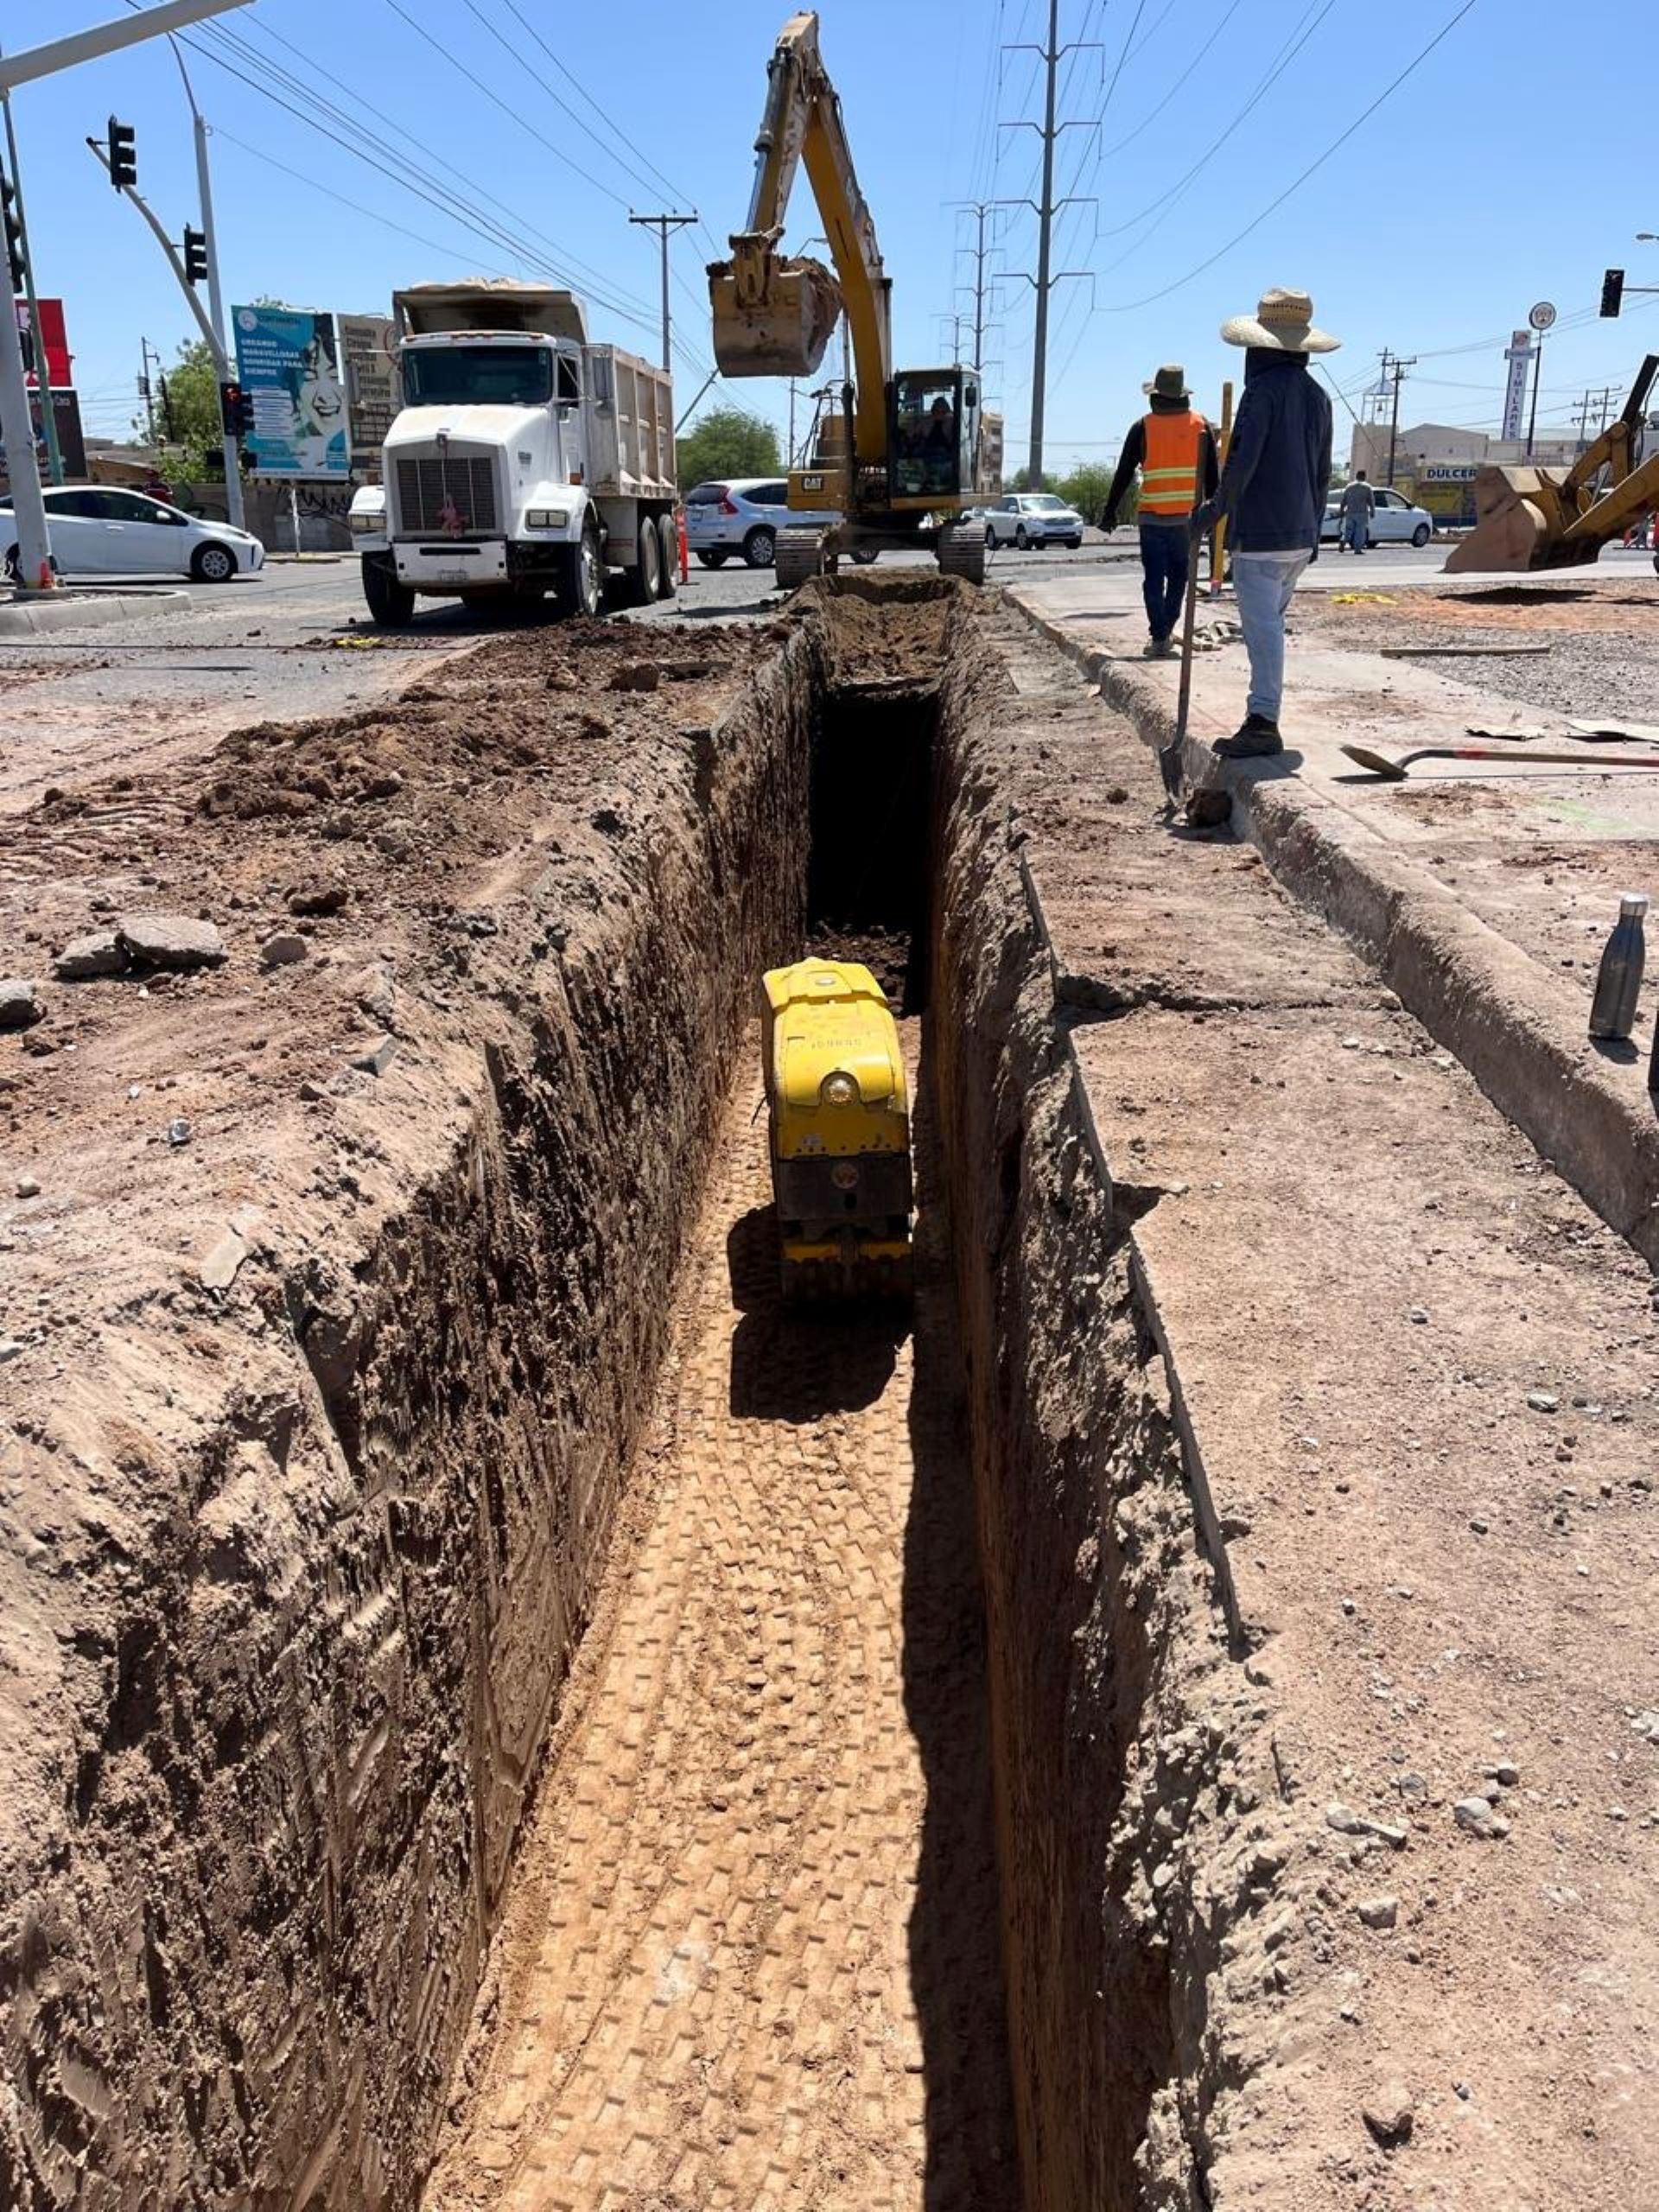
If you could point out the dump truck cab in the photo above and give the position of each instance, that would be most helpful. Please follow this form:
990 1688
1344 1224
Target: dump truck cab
839 1121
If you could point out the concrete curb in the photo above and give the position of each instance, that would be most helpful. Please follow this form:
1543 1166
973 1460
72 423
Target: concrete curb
1519 1031
31 619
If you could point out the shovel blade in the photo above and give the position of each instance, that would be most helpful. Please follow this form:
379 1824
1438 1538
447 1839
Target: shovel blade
1169 767
1378 763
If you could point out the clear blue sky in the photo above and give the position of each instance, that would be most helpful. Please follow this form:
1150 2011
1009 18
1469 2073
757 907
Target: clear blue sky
1428 232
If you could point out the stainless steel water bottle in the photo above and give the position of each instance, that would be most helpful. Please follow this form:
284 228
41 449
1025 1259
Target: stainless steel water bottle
1618 979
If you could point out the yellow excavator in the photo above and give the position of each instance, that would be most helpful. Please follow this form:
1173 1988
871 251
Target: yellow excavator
900 461
1560 518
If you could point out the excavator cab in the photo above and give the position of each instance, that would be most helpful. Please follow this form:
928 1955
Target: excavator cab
932 437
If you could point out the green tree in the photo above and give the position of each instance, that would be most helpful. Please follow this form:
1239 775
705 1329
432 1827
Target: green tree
1021 480
1086 487
729 442
187 420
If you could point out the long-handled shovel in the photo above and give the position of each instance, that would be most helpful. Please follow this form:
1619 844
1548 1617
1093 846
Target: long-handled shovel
1169 756
1395 771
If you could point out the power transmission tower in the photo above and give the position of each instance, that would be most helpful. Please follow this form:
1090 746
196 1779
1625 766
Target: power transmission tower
663 224
980 209
1048 130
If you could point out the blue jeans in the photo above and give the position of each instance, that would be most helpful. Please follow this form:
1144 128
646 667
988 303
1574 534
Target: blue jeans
1356 529
1263 584
1164 558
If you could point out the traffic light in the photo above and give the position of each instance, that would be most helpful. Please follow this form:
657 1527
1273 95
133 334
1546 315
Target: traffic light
195 256
124 155
14 234
1612 291
235 410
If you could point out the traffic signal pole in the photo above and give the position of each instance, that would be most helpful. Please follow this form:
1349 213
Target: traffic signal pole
28 508
215 299
42 368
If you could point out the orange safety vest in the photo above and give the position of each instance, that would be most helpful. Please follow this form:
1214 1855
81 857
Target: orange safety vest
1169 475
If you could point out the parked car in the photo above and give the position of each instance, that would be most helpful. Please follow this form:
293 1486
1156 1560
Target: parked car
96 531
1397 522
1032 518
743 515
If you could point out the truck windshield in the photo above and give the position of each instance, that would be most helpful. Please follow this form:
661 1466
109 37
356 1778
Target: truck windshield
477 376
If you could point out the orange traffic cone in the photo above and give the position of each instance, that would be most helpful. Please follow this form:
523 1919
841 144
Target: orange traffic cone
686 550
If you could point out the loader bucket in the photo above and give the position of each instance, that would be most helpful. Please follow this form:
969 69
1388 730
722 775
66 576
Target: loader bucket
1517 525
777 327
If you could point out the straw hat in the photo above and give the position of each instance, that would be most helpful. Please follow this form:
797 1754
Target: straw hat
1170 382
1283 320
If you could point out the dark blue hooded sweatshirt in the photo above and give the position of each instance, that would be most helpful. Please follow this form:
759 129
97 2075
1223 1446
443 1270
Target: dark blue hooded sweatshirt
1278 471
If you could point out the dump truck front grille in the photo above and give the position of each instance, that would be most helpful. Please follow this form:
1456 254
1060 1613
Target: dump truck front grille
449 496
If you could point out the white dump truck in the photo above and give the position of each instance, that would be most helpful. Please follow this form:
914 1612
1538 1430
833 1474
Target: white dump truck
524 460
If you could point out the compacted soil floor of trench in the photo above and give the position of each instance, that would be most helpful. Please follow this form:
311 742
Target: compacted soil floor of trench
750 1955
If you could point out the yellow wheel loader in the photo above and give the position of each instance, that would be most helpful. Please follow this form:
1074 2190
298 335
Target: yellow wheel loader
1560 518
902 463
839 1120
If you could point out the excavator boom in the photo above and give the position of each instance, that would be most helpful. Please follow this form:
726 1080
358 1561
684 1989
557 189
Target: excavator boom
774 315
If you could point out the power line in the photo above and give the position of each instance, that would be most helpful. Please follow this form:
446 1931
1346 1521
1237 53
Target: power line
1180 83
1337 144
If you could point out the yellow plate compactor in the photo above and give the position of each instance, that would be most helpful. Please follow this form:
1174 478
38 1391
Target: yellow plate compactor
840 1123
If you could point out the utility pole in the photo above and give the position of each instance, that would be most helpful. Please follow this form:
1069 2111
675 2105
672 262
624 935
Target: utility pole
1048 130
663 224
1394 374
146 388
233 505
28 509
42 367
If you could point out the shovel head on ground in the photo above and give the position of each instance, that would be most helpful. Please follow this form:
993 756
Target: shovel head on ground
1394 772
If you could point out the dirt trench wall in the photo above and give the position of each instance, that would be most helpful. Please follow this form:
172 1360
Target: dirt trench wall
1117 1715
238 1960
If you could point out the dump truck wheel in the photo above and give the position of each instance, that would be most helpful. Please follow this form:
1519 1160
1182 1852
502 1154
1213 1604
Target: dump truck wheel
668 581
581 578
645 572
800 557
962 553
391 605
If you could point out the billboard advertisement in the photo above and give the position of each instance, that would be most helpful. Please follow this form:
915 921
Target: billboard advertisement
60 368
65 414
371 391
1519 357
288 362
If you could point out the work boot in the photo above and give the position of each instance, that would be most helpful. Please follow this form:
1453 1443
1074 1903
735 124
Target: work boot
1158 649
1256 739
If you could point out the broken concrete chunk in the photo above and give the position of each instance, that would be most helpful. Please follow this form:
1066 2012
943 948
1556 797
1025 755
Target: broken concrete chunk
282 950
1378 1912
219 1269
20 1004
100 952
170 941
376 996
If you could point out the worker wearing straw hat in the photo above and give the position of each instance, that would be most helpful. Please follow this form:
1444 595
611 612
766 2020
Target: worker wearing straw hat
1174 450
1272 494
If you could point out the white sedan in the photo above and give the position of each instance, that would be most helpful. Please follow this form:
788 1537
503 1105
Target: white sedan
1395 521
97 531
1032 518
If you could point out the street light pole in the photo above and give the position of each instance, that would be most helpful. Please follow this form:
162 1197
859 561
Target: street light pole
1537 367
235 513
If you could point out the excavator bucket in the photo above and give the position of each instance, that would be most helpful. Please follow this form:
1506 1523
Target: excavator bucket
1521 521
773 317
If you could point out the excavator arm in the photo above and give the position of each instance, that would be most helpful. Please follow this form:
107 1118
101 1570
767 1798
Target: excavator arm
773 315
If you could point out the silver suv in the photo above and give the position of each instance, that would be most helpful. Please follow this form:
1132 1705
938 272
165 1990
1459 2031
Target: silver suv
743 515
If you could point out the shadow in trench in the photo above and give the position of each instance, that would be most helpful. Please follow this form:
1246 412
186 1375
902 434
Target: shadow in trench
798 1362
956 1945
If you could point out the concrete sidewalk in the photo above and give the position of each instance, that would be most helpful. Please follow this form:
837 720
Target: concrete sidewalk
1483 892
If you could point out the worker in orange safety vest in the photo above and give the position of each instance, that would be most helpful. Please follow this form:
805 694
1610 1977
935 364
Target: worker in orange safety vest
1173 448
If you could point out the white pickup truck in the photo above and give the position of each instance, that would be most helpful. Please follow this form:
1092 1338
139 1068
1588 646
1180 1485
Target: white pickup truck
524 460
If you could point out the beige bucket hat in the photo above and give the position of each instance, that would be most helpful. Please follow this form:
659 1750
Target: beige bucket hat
1170 382
1284 320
